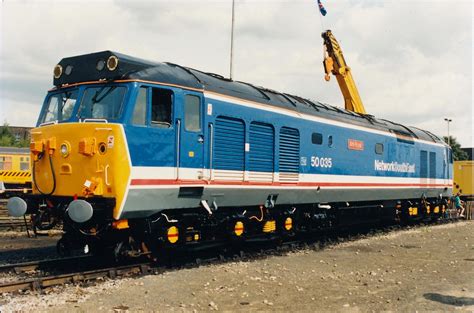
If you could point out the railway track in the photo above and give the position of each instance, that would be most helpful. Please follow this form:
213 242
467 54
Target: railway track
42 265
93 268
39 283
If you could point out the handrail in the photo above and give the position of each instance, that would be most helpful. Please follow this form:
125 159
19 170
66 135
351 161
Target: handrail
211 147
92 120
178 143
106 170
49 123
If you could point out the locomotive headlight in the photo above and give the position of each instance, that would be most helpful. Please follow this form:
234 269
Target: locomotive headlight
112 62
64 149
58 71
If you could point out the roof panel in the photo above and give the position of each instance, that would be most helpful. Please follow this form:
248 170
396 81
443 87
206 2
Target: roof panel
84 68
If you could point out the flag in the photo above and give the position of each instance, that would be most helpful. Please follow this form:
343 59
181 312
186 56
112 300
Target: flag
321 8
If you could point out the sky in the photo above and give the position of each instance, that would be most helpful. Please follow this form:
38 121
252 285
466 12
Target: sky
411 59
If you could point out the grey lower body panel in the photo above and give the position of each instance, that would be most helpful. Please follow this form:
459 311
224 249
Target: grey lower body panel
146 202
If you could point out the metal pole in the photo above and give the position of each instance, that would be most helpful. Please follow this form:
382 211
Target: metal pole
449 138
448 120
232 39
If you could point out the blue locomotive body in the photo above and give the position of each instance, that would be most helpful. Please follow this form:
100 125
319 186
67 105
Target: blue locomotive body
243 151
234 144
153 149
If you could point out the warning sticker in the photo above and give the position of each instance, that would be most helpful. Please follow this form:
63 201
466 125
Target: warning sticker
110 141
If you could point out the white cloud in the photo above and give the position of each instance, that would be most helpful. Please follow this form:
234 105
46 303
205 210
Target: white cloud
411 60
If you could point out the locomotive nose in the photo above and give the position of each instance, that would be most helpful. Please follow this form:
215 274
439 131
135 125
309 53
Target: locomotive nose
87 160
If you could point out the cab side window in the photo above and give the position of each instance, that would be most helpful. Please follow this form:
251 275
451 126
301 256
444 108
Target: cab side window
139 112
192 113
161 107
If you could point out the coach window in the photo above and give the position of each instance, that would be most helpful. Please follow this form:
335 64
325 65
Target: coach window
139 112
330 142
317 138
192 114
24 165
5 163
161 107
379 148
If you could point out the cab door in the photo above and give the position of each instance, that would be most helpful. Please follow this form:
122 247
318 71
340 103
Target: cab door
152 134
191 137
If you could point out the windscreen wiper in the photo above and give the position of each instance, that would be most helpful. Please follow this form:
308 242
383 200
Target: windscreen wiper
68 95
96 99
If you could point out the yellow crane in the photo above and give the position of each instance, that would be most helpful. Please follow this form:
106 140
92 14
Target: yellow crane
334 63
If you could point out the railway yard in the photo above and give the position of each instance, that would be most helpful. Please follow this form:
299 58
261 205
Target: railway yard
142 185
152 186
422 268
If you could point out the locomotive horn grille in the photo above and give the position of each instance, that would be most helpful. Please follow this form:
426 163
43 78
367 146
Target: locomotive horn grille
58 71
112 62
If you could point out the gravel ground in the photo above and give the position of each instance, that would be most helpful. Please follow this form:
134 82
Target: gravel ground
422 269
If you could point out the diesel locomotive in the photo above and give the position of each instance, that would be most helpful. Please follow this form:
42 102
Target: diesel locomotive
137 156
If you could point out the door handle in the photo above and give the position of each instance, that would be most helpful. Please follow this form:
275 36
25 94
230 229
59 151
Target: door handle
200 138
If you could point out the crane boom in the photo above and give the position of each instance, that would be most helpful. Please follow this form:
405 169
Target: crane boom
334 63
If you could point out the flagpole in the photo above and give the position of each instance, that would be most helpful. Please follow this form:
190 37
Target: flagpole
321 15
232 39
322 25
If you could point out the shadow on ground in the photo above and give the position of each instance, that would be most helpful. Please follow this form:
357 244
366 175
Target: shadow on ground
451 300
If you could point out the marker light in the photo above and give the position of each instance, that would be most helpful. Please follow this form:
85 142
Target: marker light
239 228
68 70
112 62
64 150
58 71
173 234
100 65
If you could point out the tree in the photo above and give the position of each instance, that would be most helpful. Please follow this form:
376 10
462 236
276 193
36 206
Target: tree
22 143
8 140
458 154
6 137
5 130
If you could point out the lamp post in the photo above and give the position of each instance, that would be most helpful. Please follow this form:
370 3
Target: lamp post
448 120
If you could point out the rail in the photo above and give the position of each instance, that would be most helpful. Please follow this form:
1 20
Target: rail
54 280
42 264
